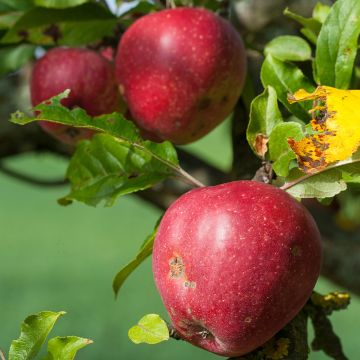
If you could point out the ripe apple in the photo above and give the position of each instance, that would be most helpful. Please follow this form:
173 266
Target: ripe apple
181 72
234 263
88 75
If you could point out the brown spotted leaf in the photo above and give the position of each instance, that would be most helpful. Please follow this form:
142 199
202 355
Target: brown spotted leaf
335 134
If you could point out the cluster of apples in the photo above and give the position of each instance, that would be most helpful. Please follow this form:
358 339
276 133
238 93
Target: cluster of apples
180 72
235 262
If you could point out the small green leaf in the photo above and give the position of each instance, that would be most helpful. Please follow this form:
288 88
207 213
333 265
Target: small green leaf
151 329
13 57
34 331
279 149
264 116
289 47
308 23
322 185
144 252
287 78
65 348
337 44
59 4
74 26
321 12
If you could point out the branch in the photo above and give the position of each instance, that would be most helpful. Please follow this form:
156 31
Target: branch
2 356
31 180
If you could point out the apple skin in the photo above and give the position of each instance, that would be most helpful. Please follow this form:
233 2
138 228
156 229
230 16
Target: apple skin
181 72
234 263
88 75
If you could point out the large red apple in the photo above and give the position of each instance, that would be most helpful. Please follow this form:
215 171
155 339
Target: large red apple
88 75
234 263
181 72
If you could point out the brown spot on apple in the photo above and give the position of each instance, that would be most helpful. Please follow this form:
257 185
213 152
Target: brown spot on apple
177 268
296 251
190 284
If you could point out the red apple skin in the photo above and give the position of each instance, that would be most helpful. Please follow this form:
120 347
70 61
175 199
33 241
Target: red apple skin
234 263
181 72
88 75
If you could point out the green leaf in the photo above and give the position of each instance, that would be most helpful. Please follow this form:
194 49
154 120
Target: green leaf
280 152
34 331
59 4
144 251
286 78
289 47
321 12
14 57
151 329
337 44
73 26
322 185
327 183
65 348
107 167
308 23
264 116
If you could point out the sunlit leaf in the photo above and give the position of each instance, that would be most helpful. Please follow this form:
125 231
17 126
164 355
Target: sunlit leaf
65 348
336 136
34 331
289 47
150 329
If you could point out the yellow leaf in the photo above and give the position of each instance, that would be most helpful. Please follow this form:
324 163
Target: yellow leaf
336 125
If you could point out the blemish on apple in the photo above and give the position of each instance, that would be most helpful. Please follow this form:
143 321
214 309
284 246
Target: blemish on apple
177 268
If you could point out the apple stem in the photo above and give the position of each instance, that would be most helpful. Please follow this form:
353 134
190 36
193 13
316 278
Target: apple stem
172 332
189 178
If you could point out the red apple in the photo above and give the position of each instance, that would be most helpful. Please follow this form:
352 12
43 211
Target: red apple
88 75
181 72
234 263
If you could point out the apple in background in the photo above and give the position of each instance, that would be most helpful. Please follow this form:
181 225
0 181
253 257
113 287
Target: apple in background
181 72
88 75
234 263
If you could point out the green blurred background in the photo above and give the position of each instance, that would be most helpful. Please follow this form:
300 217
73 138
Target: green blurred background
56 258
